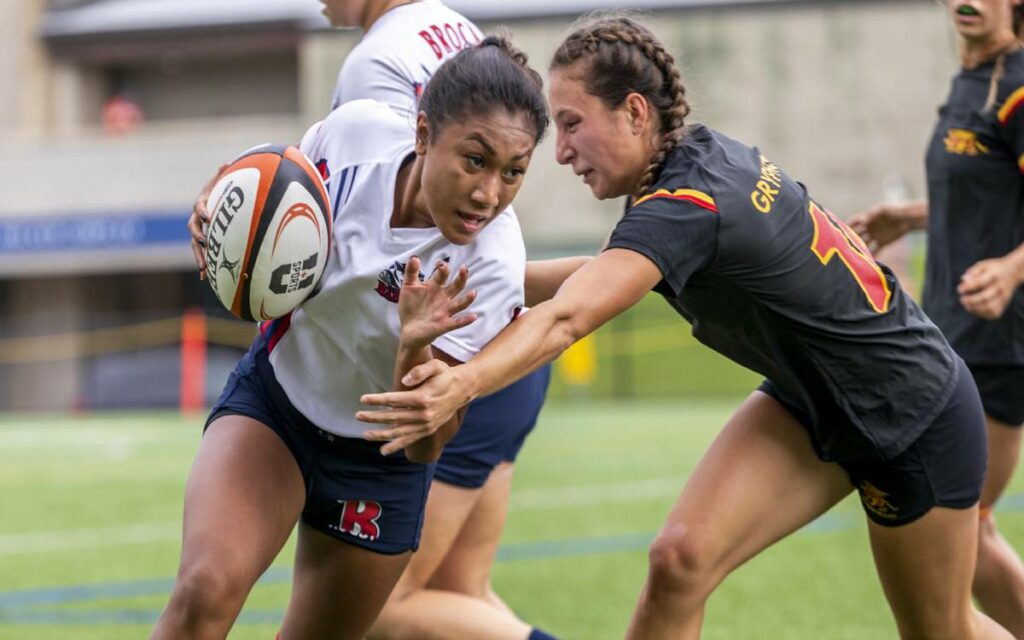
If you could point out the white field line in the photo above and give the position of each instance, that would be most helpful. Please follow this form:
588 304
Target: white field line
76 539
153 532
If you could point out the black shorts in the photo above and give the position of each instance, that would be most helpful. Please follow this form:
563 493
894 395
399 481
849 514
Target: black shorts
353 493
944 467
1002 392
493 431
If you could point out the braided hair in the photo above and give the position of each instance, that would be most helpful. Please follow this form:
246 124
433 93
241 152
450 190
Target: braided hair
491 75
617 57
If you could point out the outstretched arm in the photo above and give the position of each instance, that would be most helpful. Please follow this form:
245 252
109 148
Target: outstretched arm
544 277
605 287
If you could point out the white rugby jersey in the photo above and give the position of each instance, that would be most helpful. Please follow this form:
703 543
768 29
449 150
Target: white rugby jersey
400 53
342 341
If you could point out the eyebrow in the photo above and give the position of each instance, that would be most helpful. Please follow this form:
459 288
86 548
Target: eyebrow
487 147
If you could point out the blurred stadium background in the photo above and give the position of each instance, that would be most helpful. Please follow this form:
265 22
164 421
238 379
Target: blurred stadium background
113 113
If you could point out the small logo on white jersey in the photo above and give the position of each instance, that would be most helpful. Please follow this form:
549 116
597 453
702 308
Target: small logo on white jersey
389 281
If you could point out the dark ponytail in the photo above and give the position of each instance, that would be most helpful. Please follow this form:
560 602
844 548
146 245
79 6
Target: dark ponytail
491 75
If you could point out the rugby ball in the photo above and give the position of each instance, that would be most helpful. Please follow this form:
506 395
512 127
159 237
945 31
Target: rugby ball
268 234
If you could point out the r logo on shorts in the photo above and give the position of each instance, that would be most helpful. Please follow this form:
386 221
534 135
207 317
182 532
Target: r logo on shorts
359 518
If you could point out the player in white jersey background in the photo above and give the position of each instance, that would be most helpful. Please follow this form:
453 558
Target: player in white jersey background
279 445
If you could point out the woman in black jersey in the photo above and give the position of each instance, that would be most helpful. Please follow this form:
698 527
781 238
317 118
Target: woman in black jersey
975 221
862 392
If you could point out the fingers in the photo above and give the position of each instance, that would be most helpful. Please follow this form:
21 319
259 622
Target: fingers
381 435
984 309
200 256
200 218
440 274
400 399
975 279
459 282
460 321
397 445
418 375
462 303
988 303
859 224
391 415
412 271
195 228
397 438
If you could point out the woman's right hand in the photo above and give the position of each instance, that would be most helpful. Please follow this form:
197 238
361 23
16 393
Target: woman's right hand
199 219
880 225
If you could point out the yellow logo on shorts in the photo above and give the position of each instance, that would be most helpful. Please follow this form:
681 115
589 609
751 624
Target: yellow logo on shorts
963 142
875 502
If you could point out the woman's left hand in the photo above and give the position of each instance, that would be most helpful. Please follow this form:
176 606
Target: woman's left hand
986 288
428 309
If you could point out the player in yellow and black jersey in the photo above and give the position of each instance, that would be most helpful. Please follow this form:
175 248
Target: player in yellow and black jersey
975 221
862 393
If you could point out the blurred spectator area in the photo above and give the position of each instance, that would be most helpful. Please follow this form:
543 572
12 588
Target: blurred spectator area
840 93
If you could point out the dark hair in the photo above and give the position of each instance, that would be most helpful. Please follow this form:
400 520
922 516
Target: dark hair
618 56
490 75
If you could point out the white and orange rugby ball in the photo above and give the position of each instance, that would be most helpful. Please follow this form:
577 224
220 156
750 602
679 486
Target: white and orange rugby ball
269 232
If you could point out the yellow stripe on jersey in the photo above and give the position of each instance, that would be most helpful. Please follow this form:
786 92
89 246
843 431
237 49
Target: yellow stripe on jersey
1011 104
1020 162
698 198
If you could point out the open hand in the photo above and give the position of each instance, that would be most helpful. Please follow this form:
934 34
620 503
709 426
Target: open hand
428 309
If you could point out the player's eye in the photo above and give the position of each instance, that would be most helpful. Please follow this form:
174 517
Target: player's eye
475 161
515 173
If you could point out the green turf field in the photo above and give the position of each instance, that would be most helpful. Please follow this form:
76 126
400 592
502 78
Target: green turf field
91 512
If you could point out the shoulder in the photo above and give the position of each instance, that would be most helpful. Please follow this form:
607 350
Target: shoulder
687 175
361 130
1010 94
410 27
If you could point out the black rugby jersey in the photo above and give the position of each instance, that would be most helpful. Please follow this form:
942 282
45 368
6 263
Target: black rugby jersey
976 207
772 280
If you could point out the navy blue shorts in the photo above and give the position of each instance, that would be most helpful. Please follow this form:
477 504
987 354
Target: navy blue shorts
353 493
493 431
1002 392
944 467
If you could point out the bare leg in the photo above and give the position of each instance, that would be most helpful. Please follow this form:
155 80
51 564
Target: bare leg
444 594
338 588
926 568
243 497
999 577
466 568
759 481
